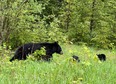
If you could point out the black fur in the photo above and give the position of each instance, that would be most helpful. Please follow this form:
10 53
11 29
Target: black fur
102 57
23 51
76 58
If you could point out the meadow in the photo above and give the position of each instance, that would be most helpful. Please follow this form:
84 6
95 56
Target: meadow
62 69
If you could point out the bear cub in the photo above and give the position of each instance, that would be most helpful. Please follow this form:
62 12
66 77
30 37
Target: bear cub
76 58
102 57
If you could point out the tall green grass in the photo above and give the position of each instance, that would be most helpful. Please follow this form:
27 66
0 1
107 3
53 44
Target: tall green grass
62 69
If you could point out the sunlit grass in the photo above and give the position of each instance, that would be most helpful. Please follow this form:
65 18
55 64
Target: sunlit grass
61 70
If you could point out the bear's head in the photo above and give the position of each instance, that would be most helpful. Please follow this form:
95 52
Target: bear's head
57 48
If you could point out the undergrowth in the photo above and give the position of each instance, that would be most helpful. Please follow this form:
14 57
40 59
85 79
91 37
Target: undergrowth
62 69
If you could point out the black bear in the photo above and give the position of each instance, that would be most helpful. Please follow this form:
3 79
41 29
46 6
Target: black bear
102 57
29 48
76 58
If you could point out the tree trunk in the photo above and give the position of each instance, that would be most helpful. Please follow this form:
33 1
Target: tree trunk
92 21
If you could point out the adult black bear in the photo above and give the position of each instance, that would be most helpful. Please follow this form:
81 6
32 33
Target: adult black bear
29 48
76 58
102 57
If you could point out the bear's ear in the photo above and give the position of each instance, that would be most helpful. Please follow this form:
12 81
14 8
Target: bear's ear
56 42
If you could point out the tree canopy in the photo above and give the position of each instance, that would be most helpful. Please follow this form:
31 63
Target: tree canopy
79 21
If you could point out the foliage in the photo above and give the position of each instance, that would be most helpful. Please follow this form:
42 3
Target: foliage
92 22
5 51
38 53
61 70
27 25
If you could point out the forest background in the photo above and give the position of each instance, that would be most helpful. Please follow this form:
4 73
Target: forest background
92 22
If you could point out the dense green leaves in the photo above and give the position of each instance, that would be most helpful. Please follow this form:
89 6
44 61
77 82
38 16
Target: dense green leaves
91 21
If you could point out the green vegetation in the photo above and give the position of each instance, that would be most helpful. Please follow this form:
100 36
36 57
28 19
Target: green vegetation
92 22
62 69
74 22
38 53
